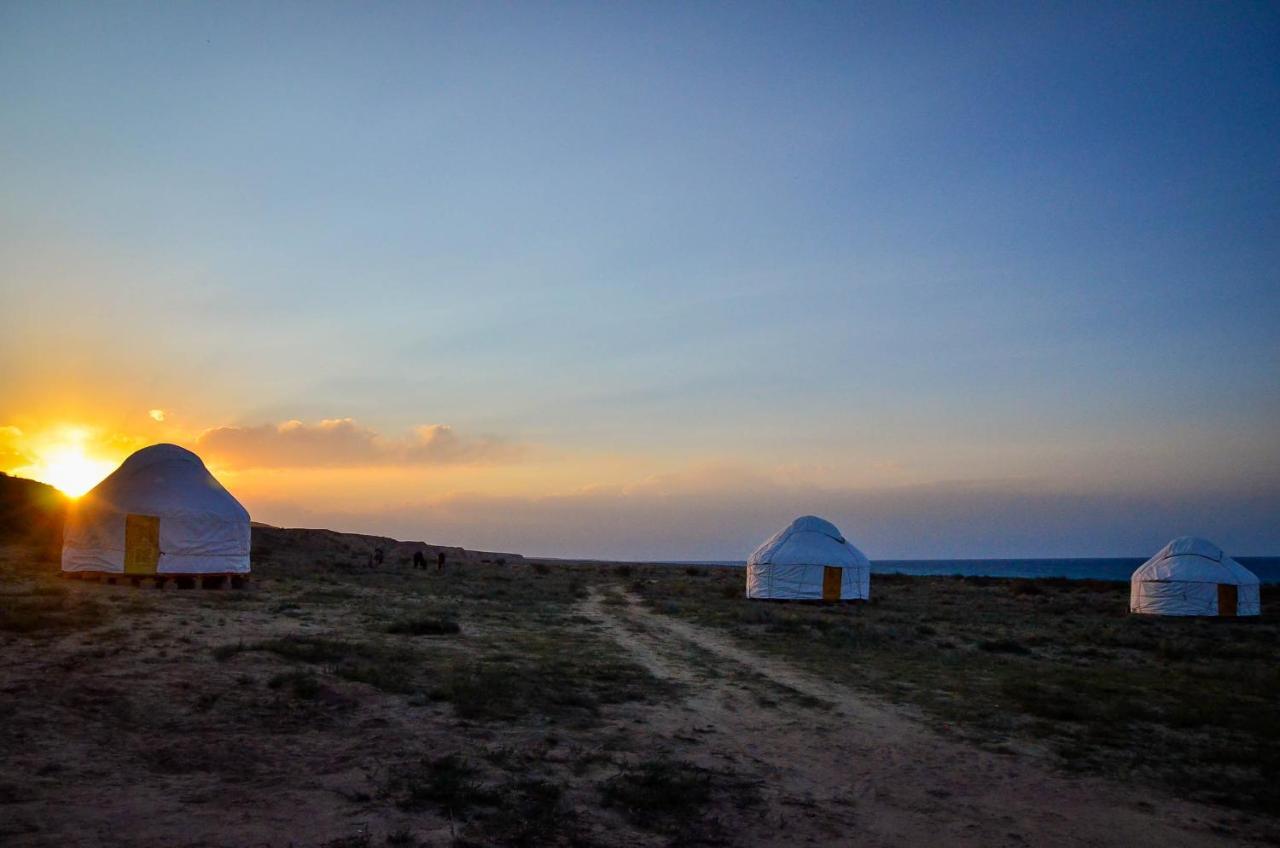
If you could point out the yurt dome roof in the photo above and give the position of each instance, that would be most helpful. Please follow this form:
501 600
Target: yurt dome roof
164 452
162 480
1191 559
809 540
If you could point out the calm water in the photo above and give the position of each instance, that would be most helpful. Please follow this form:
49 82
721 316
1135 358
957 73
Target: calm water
1267 568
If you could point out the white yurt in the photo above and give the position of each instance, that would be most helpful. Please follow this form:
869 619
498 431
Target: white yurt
1192 576
160 512
808 560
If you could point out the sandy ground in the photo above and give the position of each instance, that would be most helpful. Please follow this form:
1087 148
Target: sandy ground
129 732
854 771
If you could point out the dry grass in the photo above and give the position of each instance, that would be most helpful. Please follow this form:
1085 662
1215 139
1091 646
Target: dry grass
1188 705
483 707
314 671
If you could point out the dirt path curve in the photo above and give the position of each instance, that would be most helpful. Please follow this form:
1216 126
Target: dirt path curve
839 767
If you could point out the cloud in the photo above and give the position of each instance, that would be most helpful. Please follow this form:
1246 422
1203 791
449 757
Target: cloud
716 513
12 453
341 442
438 444
156 414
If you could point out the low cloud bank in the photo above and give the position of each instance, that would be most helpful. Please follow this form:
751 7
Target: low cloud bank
700 519
341 442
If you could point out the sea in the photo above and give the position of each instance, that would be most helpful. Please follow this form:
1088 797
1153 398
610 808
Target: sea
1116 568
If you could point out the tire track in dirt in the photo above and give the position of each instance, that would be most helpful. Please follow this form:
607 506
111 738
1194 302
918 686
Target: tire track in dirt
841 767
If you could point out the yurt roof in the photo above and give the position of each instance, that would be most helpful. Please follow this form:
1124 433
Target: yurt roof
1191 559
164 480
809 540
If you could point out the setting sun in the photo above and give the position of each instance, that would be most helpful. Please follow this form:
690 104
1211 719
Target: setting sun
68 469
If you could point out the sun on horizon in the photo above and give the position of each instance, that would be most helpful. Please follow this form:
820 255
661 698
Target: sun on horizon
69 469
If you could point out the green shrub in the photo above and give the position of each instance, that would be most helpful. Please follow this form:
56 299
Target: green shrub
301 684
659 793
424 627
450 783
1003 646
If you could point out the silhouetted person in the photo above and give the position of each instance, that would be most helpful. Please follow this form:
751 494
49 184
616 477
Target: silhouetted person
377 556
419 561
439 561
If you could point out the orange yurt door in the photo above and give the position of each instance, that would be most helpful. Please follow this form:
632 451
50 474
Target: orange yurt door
831 583
141 544
1228 599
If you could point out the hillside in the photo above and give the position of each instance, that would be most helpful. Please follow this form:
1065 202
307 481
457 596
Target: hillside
31 513
329 548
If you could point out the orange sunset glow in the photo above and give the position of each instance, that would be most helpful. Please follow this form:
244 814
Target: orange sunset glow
67 464
588 295
633 424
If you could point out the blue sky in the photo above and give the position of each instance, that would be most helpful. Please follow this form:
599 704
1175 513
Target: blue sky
857 249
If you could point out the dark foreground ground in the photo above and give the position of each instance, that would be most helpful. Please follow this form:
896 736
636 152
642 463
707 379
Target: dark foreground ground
535 704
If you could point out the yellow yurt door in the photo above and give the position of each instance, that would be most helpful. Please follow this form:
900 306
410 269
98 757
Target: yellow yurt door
141 544
831 583
1228 597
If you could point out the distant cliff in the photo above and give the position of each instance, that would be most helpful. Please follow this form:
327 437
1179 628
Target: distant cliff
315 547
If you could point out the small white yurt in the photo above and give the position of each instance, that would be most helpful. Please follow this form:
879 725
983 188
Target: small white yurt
808 560
160 512
1192 576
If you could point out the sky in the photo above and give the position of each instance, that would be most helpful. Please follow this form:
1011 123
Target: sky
649 280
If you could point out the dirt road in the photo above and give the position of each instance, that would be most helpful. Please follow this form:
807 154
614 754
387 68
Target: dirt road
835 766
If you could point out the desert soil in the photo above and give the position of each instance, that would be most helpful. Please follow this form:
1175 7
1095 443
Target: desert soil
840 767
290 714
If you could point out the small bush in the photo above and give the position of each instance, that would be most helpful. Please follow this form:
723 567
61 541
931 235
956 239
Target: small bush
659 793
389 678
300 684
222 653
451 783
789 625
1174 649
530 813
1048 702
482 692
424 627
757 613
978 580
1003 646
310 649
49 611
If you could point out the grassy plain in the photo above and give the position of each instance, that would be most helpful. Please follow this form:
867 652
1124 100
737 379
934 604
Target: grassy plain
535 703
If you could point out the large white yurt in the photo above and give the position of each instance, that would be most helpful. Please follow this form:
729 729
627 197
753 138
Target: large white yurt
808 560
1192 576
160 512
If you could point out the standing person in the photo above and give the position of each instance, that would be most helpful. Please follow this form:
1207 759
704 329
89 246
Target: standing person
377 556
439 561
419 561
